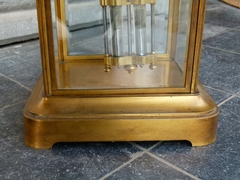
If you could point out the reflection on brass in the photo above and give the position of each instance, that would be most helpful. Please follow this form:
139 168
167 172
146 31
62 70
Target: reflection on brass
130 68
107 68
125 2
131 62
152 66
49 120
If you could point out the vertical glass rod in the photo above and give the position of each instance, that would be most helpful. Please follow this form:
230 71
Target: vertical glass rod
140 29
117 30
153 28
129 28
105 30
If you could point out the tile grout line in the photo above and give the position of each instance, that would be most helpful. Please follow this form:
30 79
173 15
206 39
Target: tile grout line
237 28
225 31
165 162
7 106
217 90
212 9
15 82
136 155
173 166
231 97
221 49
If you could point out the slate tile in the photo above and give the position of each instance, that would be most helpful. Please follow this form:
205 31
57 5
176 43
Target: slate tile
63 161
210 30
147 167
219 160
220 70
238 94
18 48
214 2
229 41
223 16
218 96
21 62
11 93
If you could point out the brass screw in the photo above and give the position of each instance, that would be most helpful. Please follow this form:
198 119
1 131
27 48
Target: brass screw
107 69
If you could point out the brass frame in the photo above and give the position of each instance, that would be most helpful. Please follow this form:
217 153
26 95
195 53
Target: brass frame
49 120
65 115
50 80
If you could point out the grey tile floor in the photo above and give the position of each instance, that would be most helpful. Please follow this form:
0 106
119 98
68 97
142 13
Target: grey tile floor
220 73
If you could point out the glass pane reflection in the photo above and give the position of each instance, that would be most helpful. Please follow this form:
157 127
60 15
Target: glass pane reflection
85 36
85 28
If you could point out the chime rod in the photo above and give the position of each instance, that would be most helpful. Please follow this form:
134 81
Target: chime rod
140 29
117 30
129 28
105 29
153 28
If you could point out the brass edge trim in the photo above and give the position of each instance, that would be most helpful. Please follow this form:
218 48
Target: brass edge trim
44 43
198 48
188 65
191 44
148 105
119 92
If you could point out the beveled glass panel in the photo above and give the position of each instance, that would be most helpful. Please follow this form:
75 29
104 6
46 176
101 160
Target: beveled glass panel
84 26
182 34
139 51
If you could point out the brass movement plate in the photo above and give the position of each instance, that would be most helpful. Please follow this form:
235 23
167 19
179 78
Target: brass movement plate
161 117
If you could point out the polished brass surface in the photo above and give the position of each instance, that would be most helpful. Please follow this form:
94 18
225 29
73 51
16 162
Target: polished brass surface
49 120
79 75
76 101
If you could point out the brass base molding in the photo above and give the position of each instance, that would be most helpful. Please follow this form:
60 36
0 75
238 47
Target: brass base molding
48 120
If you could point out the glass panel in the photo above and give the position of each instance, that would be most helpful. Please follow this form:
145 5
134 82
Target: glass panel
161 25
54 25
84 27
145 46
182 38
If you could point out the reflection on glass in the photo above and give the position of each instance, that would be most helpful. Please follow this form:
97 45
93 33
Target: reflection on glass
132 34
54 24
84 24
182 37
